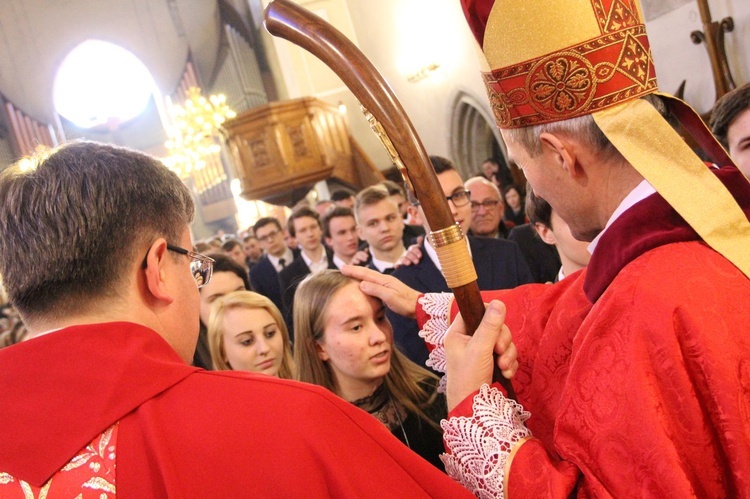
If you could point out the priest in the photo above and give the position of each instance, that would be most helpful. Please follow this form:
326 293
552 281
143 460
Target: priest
634 374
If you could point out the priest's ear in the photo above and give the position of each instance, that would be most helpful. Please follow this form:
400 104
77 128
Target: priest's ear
561 151
155 271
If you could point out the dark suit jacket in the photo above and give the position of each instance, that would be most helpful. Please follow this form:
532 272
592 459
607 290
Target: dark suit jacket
265 280
543 260
411 233
289 280
499 264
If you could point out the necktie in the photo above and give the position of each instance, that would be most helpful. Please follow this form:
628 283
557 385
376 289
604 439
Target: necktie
388 271
282 262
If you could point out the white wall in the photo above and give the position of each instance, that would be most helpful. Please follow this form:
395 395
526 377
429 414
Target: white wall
678 59
400 36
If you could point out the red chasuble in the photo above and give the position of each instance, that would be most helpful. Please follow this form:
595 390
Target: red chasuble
75 400
636 370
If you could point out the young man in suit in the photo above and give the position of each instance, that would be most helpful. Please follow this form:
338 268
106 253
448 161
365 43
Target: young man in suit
499 263
264 276
730 123
381 226
340 233
304 225
398 194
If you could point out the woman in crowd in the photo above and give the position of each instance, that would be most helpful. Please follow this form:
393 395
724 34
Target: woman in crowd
246 332
344 342
514 209
228 276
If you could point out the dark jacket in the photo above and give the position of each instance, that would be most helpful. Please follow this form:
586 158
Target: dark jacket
499 264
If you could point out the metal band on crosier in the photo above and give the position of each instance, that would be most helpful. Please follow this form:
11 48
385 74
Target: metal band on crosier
575 81
446 236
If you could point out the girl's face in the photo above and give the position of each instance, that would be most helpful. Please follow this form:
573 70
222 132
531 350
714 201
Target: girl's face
252 341
222 283
513 199
357 342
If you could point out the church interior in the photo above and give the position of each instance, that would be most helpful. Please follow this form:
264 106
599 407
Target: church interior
254 124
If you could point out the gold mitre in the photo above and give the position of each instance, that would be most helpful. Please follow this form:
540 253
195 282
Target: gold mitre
547 61
555 60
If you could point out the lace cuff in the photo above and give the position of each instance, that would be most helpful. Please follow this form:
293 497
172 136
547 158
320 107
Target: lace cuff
435 305
479 446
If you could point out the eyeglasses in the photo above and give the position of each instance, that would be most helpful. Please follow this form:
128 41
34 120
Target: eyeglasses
460 198
487 204
201 266
269 236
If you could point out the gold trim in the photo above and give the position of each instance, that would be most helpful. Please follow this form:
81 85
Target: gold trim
388 144
444 237
658 153
457 265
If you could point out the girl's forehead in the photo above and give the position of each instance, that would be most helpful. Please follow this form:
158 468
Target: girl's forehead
349 300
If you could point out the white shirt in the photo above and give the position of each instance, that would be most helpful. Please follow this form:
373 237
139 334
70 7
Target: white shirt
318 266
641 192
288 256
338 262
382 265
560 275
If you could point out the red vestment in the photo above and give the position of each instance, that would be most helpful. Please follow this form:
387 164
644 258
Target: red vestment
185 432
636 371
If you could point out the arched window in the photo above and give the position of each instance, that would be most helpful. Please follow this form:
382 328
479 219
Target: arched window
100 83
474 137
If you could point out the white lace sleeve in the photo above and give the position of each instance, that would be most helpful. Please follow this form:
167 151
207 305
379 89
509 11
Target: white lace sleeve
479 445
436 306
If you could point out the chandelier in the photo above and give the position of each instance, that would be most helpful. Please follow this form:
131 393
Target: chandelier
196 136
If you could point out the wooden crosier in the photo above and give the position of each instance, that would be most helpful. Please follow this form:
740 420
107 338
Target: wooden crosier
389 120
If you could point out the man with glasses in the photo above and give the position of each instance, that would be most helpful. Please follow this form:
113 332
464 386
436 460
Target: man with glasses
487 209
95 244
499 263
264 276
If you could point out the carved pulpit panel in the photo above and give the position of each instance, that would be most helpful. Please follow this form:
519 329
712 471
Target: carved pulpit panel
288 146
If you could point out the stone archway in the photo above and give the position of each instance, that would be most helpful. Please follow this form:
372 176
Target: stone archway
474 138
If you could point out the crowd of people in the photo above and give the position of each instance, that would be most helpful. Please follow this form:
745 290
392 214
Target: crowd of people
616 307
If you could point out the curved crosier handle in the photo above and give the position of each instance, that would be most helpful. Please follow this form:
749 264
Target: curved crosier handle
287 20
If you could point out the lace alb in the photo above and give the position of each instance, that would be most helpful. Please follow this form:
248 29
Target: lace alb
433 332
479 446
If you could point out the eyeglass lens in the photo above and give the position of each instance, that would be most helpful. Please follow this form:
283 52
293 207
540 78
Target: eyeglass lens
202 271
459 198
488 204
268 236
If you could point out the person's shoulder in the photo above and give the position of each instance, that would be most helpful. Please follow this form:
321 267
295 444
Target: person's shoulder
408 271
262 265
666 280
293 269
250 389
492 244
521 232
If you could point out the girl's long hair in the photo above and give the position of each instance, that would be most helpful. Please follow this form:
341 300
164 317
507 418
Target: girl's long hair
410 385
